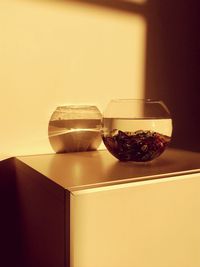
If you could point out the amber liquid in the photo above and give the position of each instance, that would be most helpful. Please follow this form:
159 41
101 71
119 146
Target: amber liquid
74 135
162 126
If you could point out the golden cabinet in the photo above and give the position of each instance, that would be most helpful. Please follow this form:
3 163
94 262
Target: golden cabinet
89 210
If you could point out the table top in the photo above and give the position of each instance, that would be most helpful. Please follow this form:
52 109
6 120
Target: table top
81 170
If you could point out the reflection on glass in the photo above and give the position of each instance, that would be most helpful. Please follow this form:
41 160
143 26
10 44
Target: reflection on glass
75 128
136 130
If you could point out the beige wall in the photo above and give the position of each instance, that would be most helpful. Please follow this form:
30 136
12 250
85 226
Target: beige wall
59 53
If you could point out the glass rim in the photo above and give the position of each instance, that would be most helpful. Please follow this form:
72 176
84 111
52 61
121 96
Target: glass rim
144 100
76 106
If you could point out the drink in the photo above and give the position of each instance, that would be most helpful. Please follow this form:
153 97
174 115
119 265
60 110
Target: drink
74 134
136 139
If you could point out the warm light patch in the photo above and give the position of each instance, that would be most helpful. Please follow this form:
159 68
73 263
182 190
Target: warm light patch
136 1
58 53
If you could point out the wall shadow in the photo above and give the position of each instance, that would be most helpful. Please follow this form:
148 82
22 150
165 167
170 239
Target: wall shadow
172 66
120 5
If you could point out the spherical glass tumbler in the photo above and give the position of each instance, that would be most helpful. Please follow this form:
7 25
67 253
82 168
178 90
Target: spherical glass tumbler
136 129
75 128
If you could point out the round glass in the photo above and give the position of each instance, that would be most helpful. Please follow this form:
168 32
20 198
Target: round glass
136 129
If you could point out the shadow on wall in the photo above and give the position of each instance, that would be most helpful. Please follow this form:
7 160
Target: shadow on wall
172 61
134 6
172 66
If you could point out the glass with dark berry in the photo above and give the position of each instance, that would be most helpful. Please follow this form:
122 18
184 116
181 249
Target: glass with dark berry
136 129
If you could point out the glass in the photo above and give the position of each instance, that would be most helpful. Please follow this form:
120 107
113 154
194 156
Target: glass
75 128
136 129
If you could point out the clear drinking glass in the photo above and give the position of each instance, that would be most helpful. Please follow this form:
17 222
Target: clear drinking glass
136 129
75 128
